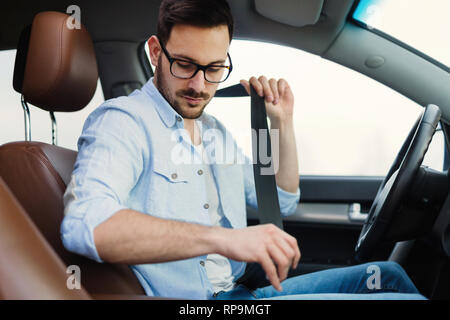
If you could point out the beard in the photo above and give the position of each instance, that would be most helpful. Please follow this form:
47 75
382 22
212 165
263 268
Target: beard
183 108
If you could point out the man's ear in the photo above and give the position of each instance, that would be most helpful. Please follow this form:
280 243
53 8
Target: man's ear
154 50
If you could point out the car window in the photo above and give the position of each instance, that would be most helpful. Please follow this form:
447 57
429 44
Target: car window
345 123
12 128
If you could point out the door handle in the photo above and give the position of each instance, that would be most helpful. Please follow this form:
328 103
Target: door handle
355 214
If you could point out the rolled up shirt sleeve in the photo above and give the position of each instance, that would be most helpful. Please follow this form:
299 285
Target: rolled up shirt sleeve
288 201
108 165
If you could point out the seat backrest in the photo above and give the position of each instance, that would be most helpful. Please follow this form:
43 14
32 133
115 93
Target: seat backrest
29 268
59 74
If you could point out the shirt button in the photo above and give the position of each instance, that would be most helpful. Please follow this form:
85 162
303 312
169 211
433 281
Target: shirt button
200 172
178 119
202 263
174 176
206 206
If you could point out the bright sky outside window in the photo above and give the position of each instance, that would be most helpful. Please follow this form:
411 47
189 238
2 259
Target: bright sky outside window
423 25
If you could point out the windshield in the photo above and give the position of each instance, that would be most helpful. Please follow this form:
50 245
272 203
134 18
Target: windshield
423 25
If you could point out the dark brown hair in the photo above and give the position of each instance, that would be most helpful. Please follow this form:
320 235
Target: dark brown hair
200 13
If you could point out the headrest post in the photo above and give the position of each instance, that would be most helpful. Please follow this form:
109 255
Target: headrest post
26 113
54 129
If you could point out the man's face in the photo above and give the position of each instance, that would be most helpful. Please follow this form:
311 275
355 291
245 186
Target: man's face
200 45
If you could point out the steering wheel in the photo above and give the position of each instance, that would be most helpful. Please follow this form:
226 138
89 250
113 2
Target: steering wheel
396 183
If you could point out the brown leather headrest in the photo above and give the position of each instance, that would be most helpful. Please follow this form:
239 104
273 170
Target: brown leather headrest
60 69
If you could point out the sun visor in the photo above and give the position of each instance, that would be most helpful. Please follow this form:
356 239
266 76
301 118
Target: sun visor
296 13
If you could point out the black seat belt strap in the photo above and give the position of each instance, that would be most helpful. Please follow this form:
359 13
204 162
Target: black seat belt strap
265 184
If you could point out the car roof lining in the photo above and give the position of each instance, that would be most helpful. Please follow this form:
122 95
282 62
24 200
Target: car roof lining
109 20
296 13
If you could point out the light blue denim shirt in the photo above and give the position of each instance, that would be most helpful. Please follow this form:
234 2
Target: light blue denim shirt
129 159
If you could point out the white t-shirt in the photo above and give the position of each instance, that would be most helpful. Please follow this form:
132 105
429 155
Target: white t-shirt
218 267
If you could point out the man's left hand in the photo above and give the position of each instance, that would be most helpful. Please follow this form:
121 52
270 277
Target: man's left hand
277 95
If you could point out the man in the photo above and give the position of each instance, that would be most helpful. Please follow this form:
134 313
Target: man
182 227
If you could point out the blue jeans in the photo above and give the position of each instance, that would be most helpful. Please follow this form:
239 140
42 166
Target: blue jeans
370 281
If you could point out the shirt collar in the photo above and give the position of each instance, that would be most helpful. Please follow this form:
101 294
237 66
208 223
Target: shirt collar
164 109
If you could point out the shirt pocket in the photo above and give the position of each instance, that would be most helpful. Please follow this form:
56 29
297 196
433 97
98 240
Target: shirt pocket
171 172
173 192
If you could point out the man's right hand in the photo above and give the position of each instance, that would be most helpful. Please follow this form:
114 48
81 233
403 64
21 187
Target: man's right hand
275 250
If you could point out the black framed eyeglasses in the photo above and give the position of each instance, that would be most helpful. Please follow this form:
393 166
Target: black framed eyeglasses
184 69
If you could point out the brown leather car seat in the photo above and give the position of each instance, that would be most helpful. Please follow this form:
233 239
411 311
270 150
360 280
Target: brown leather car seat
29 268
56 70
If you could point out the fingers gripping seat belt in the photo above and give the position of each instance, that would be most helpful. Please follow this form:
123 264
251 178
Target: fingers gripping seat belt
265 184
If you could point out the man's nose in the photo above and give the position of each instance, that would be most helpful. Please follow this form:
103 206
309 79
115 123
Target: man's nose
198 81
